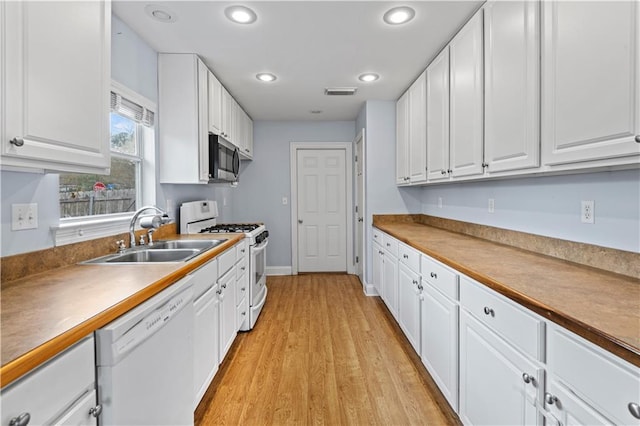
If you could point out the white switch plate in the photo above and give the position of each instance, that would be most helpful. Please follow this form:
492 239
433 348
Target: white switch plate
285 201
492 205
24 216
587 211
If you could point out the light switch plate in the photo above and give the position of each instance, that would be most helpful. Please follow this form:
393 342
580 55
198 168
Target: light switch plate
24 216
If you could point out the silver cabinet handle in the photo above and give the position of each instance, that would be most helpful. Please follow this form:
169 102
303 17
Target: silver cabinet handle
243 268
442 172
300 221
634 408
21 420
224 286
405 256
17 142
433 275
420 286
360 219
489 311
95 411
415 282
550 399
242 289
638 140
528 379
242 250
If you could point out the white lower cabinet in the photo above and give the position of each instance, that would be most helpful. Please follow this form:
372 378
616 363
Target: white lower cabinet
378 262
496 385
390 278
226 296
439 353
588 384
206 328
62 391
409 293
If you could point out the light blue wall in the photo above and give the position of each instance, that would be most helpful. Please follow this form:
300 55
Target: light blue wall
266 179
549 206
382 194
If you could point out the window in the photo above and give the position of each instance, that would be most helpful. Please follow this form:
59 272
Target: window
121 191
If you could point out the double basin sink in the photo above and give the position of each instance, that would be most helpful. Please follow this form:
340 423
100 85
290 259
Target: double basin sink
160 251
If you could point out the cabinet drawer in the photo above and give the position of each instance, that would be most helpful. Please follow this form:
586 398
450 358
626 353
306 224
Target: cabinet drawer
377 236
439 276
409 256
53 387
390 245
226 261
242 267
204 277
598 377
241 249
520 328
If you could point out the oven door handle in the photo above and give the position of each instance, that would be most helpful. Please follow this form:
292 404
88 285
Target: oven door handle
257 249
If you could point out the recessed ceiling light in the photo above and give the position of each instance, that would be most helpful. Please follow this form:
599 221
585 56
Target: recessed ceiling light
368 77
266 77
399 15
241 14
160 13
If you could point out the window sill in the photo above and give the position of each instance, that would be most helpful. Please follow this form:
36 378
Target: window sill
76 230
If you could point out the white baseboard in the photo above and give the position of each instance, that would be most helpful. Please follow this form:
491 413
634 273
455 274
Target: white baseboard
370 290
278 270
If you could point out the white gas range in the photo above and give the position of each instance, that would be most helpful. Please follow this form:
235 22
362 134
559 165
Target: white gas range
199 217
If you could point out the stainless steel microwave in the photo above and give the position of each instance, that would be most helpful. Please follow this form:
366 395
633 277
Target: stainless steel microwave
224 160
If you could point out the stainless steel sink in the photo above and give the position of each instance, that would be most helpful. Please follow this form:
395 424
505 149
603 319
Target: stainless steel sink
160 251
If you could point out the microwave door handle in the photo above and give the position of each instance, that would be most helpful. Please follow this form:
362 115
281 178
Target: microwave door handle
236 163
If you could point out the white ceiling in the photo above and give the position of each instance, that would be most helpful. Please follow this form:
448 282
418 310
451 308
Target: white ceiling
309 45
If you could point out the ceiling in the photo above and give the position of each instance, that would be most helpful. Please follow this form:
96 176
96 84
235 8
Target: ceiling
308 45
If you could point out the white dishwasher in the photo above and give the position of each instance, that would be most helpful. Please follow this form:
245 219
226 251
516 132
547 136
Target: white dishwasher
145 361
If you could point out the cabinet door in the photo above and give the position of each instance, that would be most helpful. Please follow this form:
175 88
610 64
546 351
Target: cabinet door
215 104
467 107
418 130
569 409
228 328
78 414
409 305
439 353
492 389
378 281
249 147
206 341
227 114
512 89
438 117
56 81
402 139
390 273
203 121
590 80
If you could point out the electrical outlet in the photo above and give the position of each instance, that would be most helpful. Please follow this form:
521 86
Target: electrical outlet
492 205
285 201
587 211
24 216
439 202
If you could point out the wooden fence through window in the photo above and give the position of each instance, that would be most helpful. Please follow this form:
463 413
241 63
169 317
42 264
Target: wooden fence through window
89 203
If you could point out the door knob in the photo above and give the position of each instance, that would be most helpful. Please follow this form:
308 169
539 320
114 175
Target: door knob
17 141
300 221
638 138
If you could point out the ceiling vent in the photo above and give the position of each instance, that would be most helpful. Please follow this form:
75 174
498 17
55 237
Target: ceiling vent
340 91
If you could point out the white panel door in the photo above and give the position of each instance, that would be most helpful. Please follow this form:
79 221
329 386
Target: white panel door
418 130
590 79
466 80
402 139
359 210
322 214
438 117
512 85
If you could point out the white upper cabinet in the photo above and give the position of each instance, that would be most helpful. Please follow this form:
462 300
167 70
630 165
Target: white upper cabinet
438 117
184 118
512 89
466 79
418 130
56 85
215 104
244 134
402 139
590 81
227 115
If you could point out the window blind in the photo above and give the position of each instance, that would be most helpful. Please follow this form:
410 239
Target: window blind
128 108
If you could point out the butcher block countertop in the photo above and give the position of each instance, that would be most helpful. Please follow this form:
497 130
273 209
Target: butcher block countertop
601 306
46 313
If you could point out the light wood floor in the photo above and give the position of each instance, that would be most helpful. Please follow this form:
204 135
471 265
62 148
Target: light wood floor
322 353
